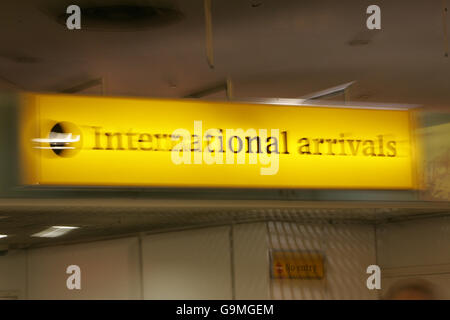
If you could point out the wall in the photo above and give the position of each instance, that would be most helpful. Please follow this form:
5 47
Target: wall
109 270
192 264
13 275
348 250
250 254
232 261
416 249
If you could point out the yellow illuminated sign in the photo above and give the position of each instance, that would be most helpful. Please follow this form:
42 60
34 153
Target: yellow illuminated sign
297 265
105 141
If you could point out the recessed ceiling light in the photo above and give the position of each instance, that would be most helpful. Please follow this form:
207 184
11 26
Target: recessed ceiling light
54 231
358 42
362 38
19 58
124 17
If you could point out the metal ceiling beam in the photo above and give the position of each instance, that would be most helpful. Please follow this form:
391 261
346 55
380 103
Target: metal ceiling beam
85 85
333 91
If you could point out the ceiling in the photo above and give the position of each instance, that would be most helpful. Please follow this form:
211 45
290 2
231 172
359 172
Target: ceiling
108 218
267 48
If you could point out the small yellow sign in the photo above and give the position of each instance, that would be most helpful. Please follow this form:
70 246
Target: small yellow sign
297 265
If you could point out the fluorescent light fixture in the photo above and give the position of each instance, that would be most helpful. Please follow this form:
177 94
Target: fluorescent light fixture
54 231
328 92
3 236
